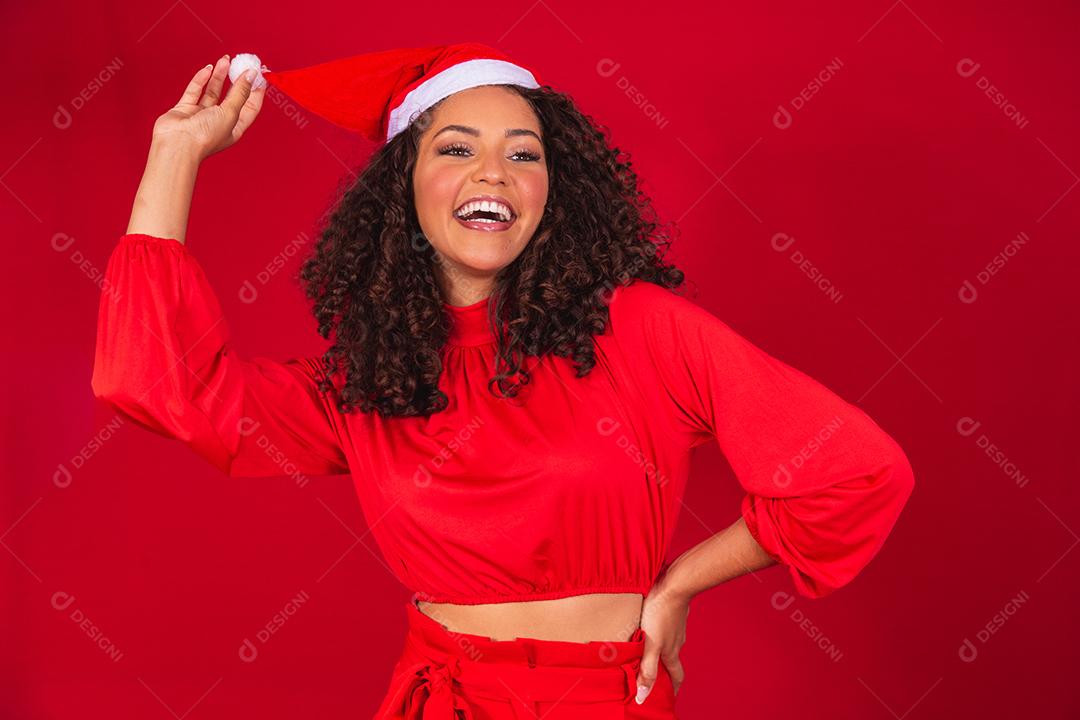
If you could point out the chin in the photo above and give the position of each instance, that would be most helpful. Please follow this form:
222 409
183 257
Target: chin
484 263
489 252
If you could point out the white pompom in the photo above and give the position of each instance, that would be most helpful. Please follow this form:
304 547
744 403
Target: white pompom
245 61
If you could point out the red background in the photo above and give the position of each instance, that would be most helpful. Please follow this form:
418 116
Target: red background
900 180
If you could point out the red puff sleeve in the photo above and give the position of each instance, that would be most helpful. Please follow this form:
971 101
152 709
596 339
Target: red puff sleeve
162 358
824 483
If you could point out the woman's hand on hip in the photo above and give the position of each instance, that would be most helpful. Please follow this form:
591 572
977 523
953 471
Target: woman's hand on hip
663 618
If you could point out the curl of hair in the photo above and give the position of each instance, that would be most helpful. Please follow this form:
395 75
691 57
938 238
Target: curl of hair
372 275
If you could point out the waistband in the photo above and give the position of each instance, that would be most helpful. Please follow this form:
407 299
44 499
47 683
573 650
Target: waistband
440 669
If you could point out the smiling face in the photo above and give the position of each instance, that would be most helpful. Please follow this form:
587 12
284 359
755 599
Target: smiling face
484 141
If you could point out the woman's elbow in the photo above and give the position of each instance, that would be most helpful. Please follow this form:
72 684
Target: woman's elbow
899 474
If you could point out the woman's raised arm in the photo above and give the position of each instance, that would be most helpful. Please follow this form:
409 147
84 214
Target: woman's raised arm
163 356
184 136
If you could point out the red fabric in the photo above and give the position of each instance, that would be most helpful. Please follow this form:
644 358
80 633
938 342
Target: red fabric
359 92
574 487
162 357
441 673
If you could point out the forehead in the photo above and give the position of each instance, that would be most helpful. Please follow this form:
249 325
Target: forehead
486 107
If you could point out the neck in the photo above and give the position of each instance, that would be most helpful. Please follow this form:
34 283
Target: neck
469 325
465 289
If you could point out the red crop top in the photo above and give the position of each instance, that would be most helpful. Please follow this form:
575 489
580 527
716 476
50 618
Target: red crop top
575 487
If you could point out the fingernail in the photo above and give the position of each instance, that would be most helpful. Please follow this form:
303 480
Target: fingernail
642 692
249 75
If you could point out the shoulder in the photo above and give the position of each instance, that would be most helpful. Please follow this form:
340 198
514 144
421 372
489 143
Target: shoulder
641 298
645 307
650 319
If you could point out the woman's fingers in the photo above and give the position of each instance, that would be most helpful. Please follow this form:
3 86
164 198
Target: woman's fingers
195 86
217 80
650 666
647 671
238 96
675 669
249 111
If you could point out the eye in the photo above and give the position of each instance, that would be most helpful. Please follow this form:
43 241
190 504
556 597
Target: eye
527 154
462 150
450 149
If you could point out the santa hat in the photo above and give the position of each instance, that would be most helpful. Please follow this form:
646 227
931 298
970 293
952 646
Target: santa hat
378 94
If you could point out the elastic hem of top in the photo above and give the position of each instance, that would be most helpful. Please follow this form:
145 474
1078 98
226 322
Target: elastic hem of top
754 530
522 597
153 239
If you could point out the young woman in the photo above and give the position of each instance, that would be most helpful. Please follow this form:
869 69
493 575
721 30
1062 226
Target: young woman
515 388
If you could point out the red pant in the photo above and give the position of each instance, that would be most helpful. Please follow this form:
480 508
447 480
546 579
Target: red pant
445 675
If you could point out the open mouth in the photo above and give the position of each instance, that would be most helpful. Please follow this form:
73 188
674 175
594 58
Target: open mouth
483 214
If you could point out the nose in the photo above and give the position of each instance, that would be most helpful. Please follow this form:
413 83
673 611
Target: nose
489 168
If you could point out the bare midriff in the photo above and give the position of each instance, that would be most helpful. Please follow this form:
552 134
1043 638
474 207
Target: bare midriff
611 617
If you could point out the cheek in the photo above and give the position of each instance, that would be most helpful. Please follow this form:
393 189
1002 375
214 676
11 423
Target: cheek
435 190
533 190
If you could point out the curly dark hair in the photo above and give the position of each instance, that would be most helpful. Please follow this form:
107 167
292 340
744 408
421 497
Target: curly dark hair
372 276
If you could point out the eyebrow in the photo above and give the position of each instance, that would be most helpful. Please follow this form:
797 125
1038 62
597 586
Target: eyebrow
510 132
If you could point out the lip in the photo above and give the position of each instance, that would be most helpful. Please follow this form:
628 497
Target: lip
504 201
486 226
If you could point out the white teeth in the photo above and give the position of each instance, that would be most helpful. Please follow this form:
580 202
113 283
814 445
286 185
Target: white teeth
485 206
